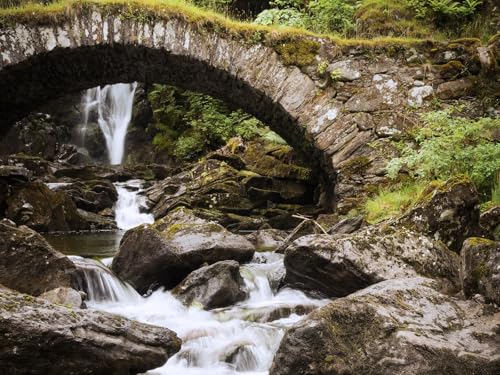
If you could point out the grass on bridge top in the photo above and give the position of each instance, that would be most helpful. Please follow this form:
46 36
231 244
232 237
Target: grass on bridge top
32 13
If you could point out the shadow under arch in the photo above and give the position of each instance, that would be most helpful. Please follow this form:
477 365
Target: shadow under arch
46 76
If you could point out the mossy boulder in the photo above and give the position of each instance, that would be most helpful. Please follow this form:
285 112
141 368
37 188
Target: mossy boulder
29 264
217 285
33 204
167 251
490 222
39 337
448 212
480 272
339 265
396 327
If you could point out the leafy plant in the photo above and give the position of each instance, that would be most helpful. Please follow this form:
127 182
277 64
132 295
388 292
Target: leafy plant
188 123
447 146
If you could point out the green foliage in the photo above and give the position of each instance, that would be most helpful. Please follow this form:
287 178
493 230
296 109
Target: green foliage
445 9
283 17
17 3
334 16
449 146
189 123
321 16
392 202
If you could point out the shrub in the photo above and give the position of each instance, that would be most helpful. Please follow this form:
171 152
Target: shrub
447 146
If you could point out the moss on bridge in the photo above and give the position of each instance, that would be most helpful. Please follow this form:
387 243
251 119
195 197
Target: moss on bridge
151 10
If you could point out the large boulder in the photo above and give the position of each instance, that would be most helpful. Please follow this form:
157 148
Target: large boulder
42 338
480 272
448 212
217 285
339 265
35 205
29 264
401 326
168 250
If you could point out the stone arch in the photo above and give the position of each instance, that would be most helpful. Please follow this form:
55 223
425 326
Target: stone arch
90 47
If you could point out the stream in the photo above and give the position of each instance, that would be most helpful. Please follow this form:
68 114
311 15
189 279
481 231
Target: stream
242 338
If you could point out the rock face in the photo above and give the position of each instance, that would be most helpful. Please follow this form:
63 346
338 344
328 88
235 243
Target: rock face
217 285
41 338
399 327
167 251
29 264
480 272
448 212
339 265
42 209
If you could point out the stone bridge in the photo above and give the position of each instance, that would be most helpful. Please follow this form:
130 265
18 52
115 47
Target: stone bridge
329 100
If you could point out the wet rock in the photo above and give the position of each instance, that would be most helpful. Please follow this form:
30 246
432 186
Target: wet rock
217 285
490 222
29 264
71 154
447 212
95 221
348 225
480 272
455 89
267 239
36 135
35 205
93 195
42 338
11 173
401 326
168 250
63 296
339 265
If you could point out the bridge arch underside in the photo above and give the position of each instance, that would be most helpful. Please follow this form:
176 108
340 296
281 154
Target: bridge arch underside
47 76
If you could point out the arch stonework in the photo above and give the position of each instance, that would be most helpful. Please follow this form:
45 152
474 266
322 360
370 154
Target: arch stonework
333 117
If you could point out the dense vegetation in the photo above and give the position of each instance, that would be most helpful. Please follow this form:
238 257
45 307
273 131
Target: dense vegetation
187 124
445 146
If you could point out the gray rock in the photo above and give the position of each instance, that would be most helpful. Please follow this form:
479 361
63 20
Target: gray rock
30 265
217 285
417 95
167 251
42 338
490 222
344 71
455 89
339 265
63 296
480 271
267 239
401 326
447 212
347 226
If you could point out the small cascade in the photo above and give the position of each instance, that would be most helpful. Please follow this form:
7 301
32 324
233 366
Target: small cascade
101 285
238 339
113 104
128 207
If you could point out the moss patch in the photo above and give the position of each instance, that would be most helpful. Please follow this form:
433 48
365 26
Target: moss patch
299 52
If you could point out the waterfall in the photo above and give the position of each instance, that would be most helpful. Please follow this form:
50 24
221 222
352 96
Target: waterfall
113 104
128 207
101 285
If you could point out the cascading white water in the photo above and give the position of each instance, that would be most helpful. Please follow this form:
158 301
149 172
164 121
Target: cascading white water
113 104
128 207
239 339
101 285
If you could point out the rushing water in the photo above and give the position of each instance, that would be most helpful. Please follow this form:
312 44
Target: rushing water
129 205
113 104
240 338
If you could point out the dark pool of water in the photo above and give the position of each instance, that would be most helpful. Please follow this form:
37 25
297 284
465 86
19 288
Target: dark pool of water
96 244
